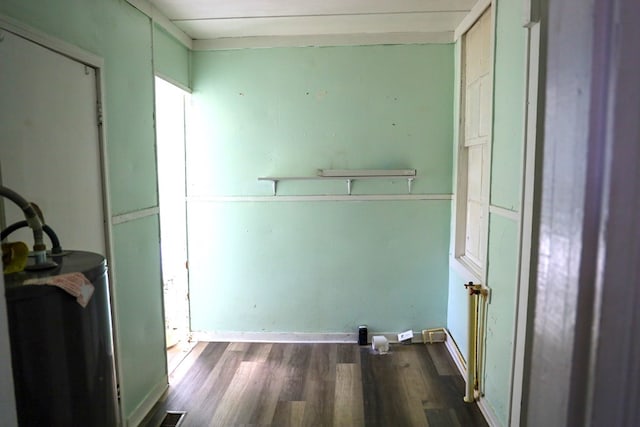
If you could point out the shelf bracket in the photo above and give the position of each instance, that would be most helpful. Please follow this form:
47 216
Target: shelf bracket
274 186
410 183
349 186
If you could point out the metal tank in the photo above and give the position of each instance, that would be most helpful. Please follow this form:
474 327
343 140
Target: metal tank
62 353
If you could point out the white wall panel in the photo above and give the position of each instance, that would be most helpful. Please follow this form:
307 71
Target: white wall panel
49 146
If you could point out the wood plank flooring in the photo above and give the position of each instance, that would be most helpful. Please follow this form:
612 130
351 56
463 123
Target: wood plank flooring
260 384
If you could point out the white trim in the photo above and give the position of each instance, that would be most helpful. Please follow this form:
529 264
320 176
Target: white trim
132 216
455 354
487 412
276 337
505 213
530 13
460 198
471 18
143 409
40 38
320 198
528 219
489 165
158 17
392 337
109 247
293 337
143 6
222 43
466 268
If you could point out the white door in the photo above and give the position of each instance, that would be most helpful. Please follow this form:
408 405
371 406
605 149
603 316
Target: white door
49 142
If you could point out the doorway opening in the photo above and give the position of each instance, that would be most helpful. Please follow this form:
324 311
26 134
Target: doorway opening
171 108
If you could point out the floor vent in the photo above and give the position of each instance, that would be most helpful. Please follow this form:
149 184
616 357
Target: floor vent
173 419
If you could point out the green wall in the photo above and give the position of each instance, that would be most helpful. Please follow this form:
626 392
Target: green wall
139 307
292 111
502 274
327 266
503 237
506 181
508 106
117 32
298 266
120 34
319 266
171 59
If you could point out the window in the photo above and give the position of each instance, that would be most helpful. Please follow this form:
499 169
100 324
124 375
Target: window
472 195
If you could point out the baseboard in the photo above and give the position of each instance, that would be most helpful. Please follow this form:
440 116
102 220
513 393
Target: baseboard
293 337
456 355
486 410
276 337
143 409
393 337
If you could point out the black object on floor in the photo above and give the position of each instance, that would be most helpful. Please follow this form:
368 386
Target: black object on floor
173 419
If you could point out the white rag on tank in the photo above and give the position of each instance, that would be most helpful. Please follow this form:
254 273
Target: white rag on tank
75 284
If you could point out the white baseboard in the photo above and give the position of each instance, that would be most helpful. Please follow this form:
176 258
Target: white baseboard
456 355
276 337
293 337
143 409
484 407
393 337
486 410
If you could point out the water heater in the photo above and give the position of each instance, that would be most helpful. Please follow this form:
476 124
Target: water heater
62 353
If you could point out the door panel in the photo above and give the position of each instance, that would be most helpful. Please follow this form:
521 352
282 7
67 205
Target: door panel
49 142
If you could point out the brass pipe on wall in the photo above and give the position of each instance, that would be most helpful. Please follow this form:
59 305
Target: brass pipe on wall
476 291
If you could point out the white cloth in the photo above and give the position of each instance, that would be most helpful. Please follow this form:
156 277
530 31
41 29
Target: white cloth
75 284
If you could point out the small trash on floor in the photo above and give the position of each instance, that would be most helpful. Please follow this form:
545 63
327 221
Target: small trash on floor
380 344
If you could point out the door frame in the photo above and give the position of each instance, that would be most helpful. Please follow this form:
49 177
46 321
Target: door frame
187 92
529 221
97 63
584 369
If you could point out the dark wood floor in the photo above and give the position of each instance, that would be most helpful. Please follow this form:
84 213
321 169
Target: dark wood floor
233 384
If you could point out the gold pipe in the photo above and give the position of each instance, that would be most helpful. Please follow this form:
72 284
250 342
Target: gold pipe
475 341
471 344
482 321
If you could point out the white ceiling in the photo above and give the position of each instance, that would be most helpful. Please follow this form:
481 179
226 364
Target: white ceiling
211 22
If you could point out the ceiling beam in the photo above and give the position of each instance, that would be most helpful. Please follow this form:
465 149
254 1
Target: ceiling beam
322 25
